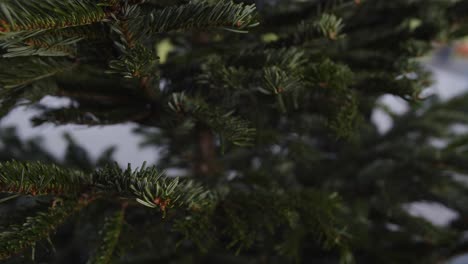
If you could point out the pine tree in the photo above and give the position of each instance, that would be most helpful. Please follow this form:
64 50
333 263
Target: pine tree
264 110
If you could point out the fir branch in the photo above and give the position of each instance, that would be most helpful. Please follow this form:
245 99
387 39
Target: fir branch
330 26
49 14
43 45
110 234
244 219
217 73
136 61
139 62
290 77
224 13
319 31
278 82
19 72
36 178
277 72
344 115
150 188
288 58
333 81
147 185
257 66
229 128
19 237
330 76
129 33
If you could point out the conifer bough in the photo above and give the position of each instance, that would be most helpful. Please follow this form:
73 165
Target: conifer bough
147 185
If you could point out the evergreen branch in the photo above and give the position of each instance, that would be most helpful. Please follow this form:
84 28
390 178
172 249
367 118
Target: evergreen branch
330 75
48 14
334 81
138 62
327 26
54 42
151 188
19 72
278 81
286 74
330 26
19 237
288 58
230 128
217 74
110 234
43 45
129 34
36 178
224 13
147 185
277 72
345 115
227 72
243 219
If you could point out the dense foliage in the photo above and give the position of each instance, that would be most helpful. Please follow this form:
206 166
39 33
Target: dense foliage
263 109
